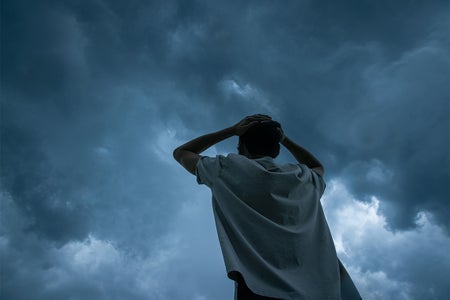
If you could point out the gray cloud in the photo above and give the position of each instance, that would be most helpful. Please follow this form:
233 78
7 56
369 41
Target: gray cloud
95 95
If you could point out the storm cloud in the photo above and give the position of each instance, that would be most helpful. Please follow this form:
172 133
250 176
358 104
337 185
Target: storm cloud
96 94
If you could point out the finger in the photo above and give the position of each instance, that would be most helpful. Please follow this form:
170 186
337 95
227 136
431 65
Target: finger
259 118
263 116
251 124
259 115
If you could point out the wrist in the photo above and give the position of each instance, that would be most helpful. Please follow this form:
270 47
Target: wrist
283 139
231 131
226 133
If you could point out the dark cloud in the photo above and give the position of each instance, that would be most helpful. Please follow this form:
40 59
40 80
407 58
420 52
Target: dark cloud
75 145
95 94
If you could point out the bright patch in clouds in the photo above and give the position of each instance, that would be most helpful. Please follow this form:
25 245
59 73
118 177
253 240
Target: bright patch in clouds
375 255
248 93
91 254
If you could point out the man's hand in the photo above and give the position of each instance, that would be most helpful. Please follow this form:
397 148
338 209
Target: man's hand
188 154
242 126
282 135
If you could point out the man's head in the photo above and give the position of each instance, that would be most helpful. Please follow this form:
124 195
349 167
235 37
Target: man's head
260 140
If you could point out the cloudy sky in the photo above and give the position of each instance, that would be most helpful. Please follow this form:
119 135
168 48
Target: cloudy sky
96 94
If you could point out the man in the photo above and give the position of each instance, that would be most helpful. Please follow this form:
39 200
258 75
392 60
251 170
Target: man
273 234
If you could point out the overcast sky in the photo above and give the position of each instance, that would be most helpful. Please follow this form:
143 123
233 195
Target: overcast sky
96 94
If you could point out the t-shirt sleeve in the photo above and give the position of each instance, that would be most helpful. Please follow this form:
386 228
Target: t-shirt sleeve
318 181
314 177
208 169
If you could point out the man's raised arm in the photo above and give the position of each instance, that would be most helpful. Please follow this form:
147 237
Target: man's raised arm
188 154
302 155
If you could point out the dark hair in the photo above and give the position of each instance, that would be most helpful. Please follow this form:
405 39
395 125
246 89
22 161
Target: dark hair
262 139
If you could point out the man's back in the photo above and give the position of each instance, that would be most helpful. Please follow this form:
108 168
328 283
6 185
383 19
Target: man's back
271 226
269 219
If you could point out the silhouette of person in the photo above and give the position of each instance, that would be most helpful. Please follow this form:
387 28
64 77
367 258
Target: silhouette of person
273 234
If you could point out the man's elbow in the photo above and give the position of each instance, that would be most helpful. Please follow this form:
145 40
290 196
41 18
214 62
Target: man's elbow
319 170
176 154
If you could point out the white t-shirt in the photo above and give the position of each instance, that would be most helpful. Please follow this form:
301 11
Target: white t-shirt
272 228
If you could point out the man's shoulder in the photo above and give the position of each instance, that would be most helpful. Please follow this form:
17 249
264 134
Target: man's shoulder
234 156
220 160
